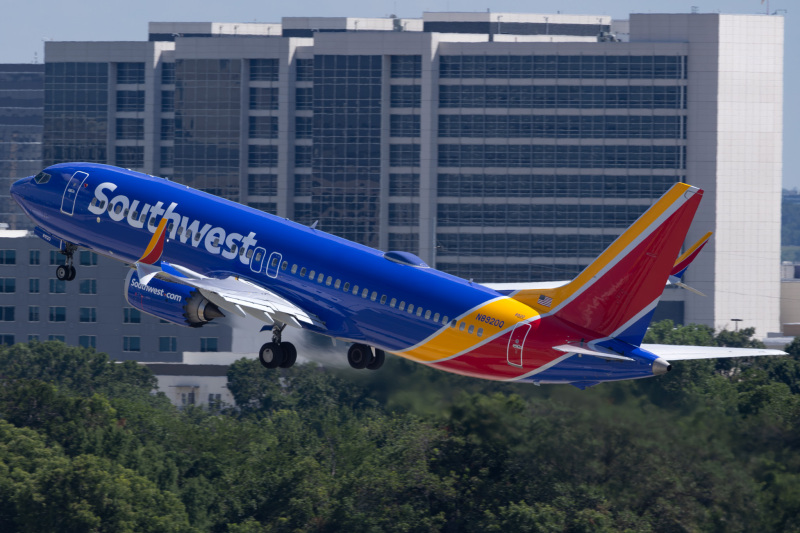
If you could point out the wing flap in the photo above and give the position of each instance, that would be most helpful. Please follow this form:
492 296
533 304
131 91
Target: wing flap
686 353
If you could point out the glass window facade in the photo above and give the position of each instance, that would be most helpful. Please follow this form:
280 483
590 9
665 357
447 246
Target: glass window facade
562 96
559 126
553 186
130 101
130 73
262 184
403 96
207 131
347 145
130 128
562 66
262 156
261 127
539 215
75 112
405 126
304 69
406 66
552 156
263 98
264 69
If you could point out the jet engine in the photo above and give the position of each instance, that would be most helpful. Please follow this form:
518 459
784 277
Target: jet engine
168 301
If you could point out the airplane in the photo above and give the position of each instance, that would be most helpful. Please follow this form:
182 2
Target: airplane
195 257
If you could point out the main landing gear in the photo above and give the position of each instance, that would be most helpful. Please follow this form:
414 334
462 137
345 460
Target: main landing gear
276 353
67 272
361 356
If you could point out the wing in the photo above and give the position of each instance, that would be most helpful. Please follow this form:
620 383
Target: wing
686 353
234 295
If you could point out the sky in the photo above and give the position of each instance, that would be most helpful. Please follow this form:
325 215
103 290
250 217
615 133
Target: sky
26 24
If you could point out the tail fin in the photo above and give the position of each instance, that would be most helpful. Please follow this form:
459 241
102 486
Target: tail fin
616 295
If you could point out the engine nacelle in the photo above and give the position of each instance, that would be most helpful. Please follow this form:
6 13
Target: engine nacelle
168 301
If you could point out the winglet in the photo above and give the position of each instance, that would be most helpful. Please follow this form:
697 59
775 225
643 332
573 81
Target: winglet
683 262
156 245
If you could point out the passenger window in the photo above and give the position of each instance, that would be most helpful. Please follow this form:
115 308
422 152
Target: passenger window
92 203
383 300
216 243
169 228
471 329
480 332
320 277
364 293
329 281
410 308
435 317
462 326
427 314
258 256
453 324
233 248
189 234
337 284
445 319
355 289
346 286
312 275
102 204
374 296
402 306
110 209
285 265
393 302
197 237
249 254
180 230
419 311
274 262
152 222
303 272
294 269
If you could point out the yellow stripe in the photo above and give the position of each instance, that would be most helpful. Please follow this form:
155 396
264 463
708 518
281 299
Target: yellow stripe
694 247
154 239
450 341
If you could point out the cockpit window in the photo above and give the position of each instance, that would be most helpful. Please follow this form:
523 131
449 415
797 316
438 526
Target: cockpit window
42 177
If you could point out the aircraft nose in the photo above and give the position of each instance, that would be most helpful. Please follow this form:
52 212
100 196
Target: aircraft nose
17 189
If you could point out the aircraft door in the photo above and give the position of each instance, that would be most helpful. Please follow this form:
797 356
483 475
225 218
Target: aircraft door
71 192
516 343
273 264
257 261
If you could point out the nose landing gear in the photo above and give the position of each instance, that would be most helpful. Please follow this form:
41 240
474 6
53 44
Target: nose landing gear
67 272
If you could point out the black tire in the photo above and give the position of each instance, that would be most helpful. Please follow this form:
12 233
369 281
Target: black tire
270 355
289 354
358 356
72 273
376 361
62 272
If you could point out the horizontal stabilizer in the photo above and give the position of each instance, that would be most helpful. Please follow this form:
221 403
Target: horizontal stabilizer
686 353
571 348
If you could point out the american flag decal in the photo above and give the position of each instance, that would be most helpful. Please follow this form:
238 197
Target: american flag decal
545 300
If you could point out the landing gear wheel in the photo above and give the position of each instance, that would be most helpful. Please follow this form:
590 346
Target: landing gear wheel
72 273
376 361
63 272
358 356
270 355
289 354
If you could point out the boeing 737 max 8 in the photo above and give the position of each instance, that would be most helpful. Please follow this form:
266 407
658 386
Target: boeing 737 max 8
196 257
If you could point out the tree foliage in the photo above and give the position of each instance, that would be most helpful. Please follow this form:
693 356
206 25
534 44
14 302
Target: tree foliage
85 445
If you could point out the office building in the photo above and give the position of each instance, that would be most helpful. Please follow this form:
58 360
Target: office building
499 147
21 110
